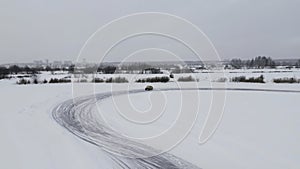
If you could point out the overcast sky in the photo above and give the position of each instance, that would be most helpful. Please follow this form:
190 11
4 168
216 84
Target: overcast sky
57 29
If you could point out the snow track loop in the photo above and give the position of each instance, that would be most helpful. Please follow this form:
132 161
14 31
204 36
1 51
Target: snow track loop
78 117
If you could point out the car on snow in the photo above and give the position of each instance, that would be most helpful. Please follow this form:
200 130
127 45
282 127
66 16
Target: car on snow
148 88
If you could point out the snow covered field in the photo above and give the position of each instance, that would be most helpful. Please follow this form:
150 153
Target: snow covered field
258 130
204 75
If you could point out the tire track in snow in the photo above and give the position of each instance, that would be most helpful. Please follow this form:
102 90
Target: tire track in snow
78 117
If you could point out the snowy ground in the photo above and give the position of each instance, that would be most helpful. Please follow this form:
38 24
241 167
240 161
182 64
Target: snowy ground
259 129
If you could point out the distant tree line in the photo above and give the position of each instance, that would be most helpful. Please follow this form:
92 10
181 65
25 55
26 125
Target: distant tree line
116 80
259 79
298 64
259 62
134 66
286 80
14 69
186 79
3 72
23 81
163 79
56 80
107 69
96 69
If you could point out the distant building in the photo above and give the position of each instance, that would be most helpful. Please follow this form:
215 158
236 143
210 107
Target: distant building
151 71
47 62
68 63
57 64
38 63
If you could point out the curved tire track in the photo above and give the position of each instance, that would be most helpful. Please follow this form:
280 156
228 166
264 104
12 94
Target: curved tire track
78 117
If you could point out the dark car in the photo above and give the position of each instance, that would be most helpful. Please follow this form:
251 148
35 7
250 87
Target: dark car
148 88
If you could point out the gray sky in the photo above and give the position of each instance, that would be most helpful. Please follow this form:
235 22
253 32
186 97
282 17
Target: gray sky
57 29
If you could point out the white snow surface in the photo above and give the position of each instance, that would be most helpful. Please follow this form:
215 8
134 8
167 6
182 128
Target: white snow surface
259 129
